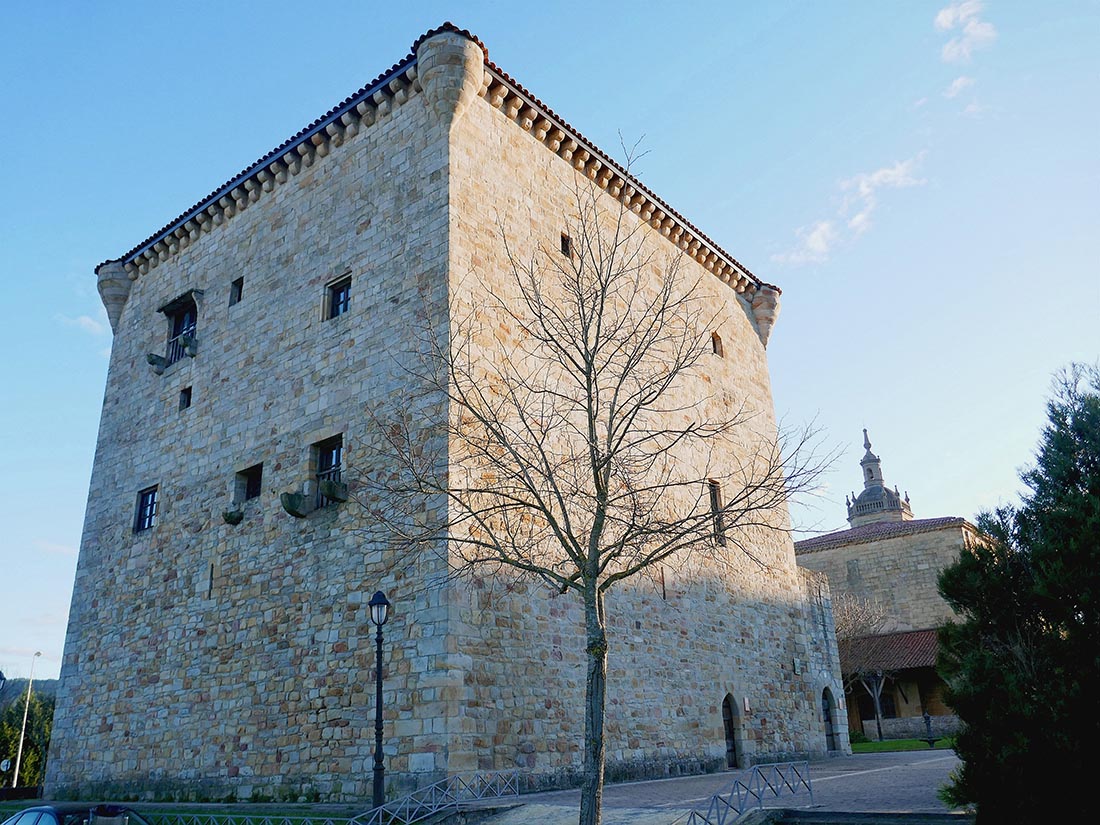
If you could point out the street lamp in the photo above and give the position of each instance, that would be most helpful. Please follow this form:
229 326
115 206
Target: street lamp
379 612
23 730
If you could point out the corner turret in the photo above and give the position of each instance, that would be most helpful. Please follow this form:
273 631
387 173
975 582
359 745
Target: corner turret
451 70
114 284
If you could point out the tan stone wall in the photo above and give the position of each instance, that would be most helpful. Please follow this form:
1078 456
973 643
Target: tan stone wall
899 573
736 629
205 658
263 678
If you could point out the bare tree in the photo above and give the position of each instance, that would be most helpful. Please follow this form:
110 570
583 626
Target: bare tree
577 457
858 618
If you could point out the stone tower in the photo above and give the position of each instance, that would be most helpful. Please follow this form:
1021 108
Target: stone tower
219 639
877 502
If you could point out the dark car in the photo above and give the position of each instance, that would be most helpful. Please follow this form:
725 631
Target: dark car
75 813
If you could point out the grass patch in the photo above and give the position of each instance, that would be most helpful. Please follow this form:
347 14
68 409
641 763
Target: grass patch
947 743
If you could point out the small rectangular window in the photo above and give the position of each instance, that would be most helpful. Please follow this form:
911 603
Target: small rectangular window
185 398
250 483
236 291
716 344
566 245
717 521
330 456
338 298
146 509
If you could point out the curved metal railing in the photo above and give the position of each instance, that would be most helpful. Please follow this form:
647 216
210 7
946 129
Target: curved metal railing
750 789
447 794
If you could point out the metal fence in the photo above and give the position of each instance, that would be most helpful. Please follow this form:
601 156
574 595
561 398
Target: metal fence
750 789
451 793
156 818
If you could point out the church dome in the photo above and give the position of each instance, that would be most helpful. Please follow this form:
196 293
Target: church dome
877 502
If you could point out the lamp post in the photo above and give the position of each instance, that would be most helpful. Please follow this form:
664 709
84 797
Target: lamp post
379 612
23 730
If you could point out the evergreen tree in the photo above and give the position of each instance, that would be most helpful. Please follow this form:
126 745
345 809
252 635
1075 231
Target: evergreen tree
1023 665
36 739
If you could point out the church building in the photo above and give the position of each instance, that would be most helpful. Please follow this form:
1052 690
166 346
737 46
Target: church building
890 561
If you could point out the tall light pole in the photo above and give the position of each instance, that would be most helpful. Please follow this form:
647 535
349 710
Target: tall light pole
23 730
379 612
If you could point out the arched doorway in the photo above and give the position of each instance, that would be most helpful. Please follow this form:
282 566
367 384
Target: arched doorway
828 712
732 724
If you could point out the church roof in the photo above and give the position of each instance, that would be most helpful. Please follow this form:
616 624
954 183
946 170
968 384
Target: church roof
392 85
891 651
875 532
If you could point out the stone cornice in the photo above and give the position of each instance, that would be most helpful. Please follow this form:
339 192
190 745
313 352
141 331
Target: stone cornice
368 105
394 87
531 114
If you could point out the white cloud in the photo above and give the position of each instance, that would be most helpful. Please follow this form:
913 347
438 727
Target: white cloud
813 246
974 109
974 33
815 242
55 549
864 190
958 13
84 322
957 86
918 103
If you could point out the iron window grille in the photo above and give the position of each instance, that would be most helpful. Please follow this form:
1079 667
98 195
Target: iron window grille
184 321
330 454
146 509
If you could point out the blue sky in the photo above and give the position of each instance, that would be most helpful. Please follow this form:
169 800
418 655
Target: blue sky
922 180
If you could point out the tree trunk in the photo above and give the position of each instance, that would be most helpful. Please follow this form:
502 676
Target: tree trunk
595 701
875 689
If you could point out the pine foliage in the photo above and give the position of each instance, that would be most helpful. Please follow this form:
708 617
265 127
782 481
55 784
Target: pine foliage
1023 664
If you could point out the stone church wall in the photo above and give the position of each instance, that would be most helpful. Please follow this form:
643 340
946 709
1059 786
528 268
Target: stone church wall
898 573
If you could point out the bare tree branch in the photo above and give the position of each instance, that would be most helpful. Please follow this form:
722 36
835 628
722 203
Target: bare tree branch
586 452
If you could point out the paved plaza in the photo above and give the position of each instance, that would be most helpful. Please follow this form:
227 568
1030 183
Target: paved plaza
894 782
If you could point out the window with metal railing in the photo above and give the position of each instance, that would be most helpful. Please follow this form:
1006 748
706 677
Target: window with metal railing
183 320
330 455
